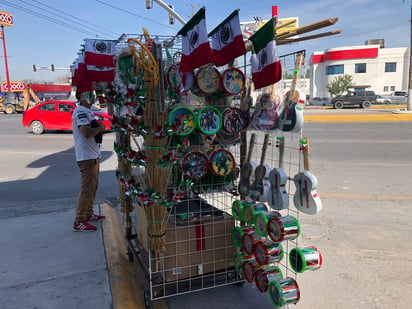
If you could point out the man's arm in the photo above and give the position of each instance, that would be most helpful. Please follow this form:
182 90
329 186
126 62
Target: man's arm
87 131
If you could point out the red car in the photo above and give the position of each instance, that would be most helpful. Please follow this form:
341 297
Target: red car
57 115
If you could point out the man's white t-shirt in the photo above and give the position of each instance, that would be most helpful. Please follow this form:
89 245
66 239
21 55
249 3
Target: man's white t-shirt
86 148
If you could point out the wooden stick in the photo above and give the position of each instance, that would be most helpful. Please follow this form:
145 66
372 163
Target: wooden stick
310 37
311 27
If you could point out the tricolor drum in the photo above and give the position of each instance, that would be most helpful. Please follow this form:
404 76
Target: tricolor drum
268 252
250 240
261 220
238 209
283 292
265 275
182 120
307 258
251 210
238 232
283 228
239 259
249 269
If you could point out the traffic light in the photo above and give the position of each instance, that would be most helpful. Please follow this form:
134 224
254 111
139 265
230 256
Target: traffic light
52 67
34 68
149 4
171 16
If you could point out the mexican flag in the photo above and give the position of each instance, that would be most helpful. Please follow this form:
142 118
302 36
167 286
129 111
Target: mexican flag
196 49
227 40
266 66
99 52
100 74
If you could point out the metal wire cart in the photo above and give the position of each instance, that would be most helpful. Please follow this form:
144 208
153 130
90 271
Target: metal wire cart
205 189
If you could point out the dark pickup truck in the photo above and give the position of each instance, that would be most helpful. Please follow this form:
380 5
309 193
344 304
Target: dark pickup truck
363 99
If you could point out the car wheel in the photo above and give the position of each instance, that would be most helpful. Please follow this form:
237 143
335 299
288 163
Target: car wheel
338 104
366 104
9 109
37 127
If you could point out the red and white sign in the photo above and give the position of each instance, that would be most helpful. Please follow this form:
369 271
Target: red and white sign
15 86
6 19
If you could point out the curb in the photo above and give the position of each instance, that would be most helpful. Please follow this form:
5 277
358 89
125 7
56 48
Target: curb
126 289
359 118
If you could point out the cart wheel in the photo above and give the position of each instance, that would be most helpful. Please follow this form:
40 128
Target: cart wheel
147 300
130 254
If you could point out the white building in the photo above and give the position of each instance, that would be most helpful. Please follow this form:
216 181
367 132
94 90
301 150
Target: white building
383 69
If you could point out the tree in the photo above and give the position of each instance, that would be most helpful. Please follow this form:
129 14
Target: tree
339 85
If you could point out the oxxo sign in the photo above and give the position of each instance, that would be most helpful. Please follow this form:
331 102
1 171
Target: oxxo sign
14 86
6 19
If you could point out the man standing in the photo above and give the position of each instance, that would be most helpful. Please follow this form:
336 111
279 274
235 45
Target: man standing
87 148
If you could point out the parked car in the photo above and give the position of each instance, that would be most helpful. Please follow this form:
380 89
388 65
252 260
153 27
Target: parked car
319 101
57 115
383 100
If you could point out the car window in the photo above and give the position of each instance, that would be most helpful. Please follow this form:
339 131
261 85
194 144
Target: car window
47 107
64 107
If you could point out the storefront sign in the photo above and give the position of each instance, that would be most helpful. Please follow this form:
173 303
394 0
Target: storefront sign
6 19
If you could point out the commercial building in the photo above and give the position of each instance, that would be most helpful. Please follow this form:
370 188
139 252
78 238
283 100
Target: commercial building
372 66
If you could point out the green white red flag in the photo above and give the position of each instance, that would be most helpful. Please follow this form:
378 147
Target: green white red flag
196 49
227 40
99 52
266 66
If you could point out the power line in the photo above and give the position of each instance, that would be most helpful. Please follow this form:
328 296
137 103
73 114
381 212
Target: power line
48 18
76 18
133 14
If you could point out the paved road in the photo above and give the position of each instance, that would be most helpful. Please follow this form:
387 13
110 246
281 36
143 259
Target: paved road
363 229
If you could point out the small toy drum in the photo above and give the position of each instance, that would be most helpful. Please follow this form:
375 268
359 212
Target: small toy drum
249 269
238 232
283 292
233 81
239 259
250 241
173 78
283 228
234 120
251 209
209 120
182 120
308 258
265 275
222 162
207 81
195 165
187 81
238 209
261 220
268 252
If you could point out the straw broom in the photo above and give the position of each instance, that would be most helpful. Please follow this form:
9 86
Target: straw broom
156 177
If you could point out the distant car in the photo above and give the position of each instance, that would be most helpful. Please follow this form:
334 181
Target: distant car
319 101
57 115
381 100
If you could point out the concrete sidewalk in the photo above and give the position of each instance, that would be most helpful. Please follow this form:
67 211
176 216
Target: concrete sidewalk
44 264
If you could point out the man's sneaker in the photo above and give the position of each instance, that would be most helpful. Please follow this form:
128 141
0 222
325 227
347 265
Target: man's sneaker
95 217
83 227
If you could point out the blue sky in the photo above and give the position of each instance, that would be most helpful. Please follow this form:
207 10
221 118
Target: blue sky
49 32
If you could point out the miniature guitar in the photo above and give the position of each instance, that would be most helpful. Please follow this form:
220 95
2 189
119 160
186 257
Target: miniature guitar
257 187
291 117
278 197
247 102
246 170
306 199
266 117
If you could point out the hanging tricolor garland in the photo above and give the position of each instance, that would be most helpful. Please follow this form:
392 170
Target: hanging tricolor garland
196 49
266 66
227 40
